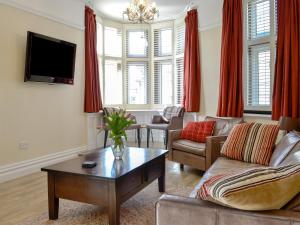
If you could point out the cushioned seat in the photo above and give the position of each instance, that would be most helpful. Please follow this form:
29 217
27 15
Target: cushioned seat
189 146
134 127
158 126
220 165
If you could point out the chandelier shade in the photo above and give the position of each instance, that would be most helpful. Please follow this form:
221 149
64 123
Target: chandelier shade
141 11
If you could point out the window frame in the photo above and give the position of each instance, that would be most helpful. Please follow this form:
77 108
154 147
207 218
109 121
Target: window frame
248 42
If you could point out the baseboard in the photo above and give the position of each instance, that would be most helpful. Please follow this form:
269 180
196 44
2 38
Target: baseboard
19 169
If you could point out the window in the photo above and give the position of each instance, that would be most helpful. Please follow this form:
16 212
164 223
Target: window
137 43
163 44
137 69
179 60
141 66
110 63
163 66
137 85
113 82
260 47
163 82
113 42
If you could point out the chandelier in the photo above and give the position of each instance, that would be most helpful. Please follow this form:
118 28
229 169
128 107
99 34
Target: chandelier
140 11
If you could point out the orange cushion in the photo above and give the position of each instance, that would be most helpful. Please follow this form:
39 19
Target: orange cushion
198 131
251 142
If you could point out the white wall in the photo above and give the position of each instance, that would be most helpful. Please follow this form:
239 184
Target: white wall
49 118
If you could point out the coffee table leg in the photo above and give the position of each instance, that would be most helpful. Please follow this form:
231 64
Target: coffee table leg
53 202
161 183
113 206
161 179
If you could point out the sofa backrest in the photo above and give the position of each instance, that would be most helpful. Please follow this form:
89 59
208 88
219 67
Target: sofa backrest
293 157
224 125
287 144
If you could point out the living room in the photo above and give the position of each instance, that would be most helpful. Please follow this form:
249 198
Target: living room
150 112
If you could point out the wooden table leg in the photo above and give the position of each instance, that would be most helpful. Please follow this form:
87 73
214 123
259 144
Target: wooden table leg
113 205
53 202
161 183
161 179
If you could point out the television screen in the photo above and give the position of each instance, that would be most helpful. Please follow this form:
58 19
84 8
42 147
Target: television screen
49 59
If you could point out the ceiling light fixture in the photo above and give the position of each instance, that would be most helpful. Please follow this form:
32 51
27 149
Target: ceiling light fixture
140 11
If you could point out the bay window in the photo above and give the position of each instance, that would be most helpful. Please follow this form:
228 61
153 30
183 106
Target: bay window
141 66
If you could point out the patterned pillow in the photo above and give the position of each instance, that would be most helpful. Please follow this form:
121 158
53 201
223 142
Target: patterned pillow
262 188
198 131
251 142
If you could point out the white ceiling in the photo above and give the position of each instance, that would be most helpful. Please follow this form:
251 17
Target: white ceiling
209 11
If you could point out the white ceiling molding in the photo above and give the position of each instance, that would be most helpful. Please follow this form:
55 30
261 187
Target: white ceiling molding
53 10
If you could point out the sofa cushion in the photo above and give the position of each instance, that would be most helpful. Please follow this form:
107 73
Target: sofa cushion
221 165
189 146
251 142
224 125
285 146
264 188
198 131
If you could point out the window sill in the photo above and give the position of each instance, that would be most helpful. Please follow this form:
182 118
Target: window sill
257 115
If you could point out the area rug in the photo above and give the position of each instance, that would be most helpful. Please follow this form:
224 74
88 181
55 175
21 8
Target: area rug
139 210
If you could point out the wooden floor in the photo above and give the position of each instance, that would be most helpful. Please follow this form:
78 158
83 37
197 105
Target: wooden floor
26 197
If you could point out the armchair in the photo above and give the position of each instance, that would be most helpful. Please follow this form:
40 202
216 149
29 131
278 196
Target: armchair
172 119
200 155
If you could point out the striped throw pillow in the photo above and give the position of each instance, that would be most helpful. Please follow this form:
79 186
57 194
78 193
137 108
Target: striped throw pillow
251 142
198 131
262 188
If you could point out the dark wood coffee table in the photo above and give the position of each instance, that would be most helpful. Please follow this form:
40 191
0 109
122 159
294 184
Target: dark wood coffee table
108 184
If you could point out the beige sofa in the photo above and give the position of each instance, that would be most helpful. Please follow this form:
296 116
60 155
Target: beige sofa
177 210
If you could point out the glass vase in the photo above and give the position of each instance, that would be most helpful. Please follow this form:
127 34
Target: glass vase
118 147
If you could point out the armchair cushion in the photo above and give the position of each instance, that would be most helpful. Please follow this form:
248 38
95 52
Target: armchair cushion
189 146
251 142
264 188
198 131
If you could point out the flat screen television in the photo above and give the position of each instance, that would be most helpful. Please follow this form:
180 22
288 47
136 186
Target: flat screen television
49 59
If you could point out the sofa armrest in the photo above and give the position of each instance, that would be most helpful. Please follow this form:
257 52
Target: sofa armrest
181 211
213 149
173 136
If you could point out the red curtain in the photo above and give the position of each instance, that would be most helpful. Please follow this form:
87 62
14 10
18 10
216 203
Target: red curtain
286 93
231 102
192 76
92 100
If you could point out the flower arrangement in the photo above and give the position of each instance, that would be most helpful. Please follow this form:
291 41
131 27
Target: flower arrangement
117 122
